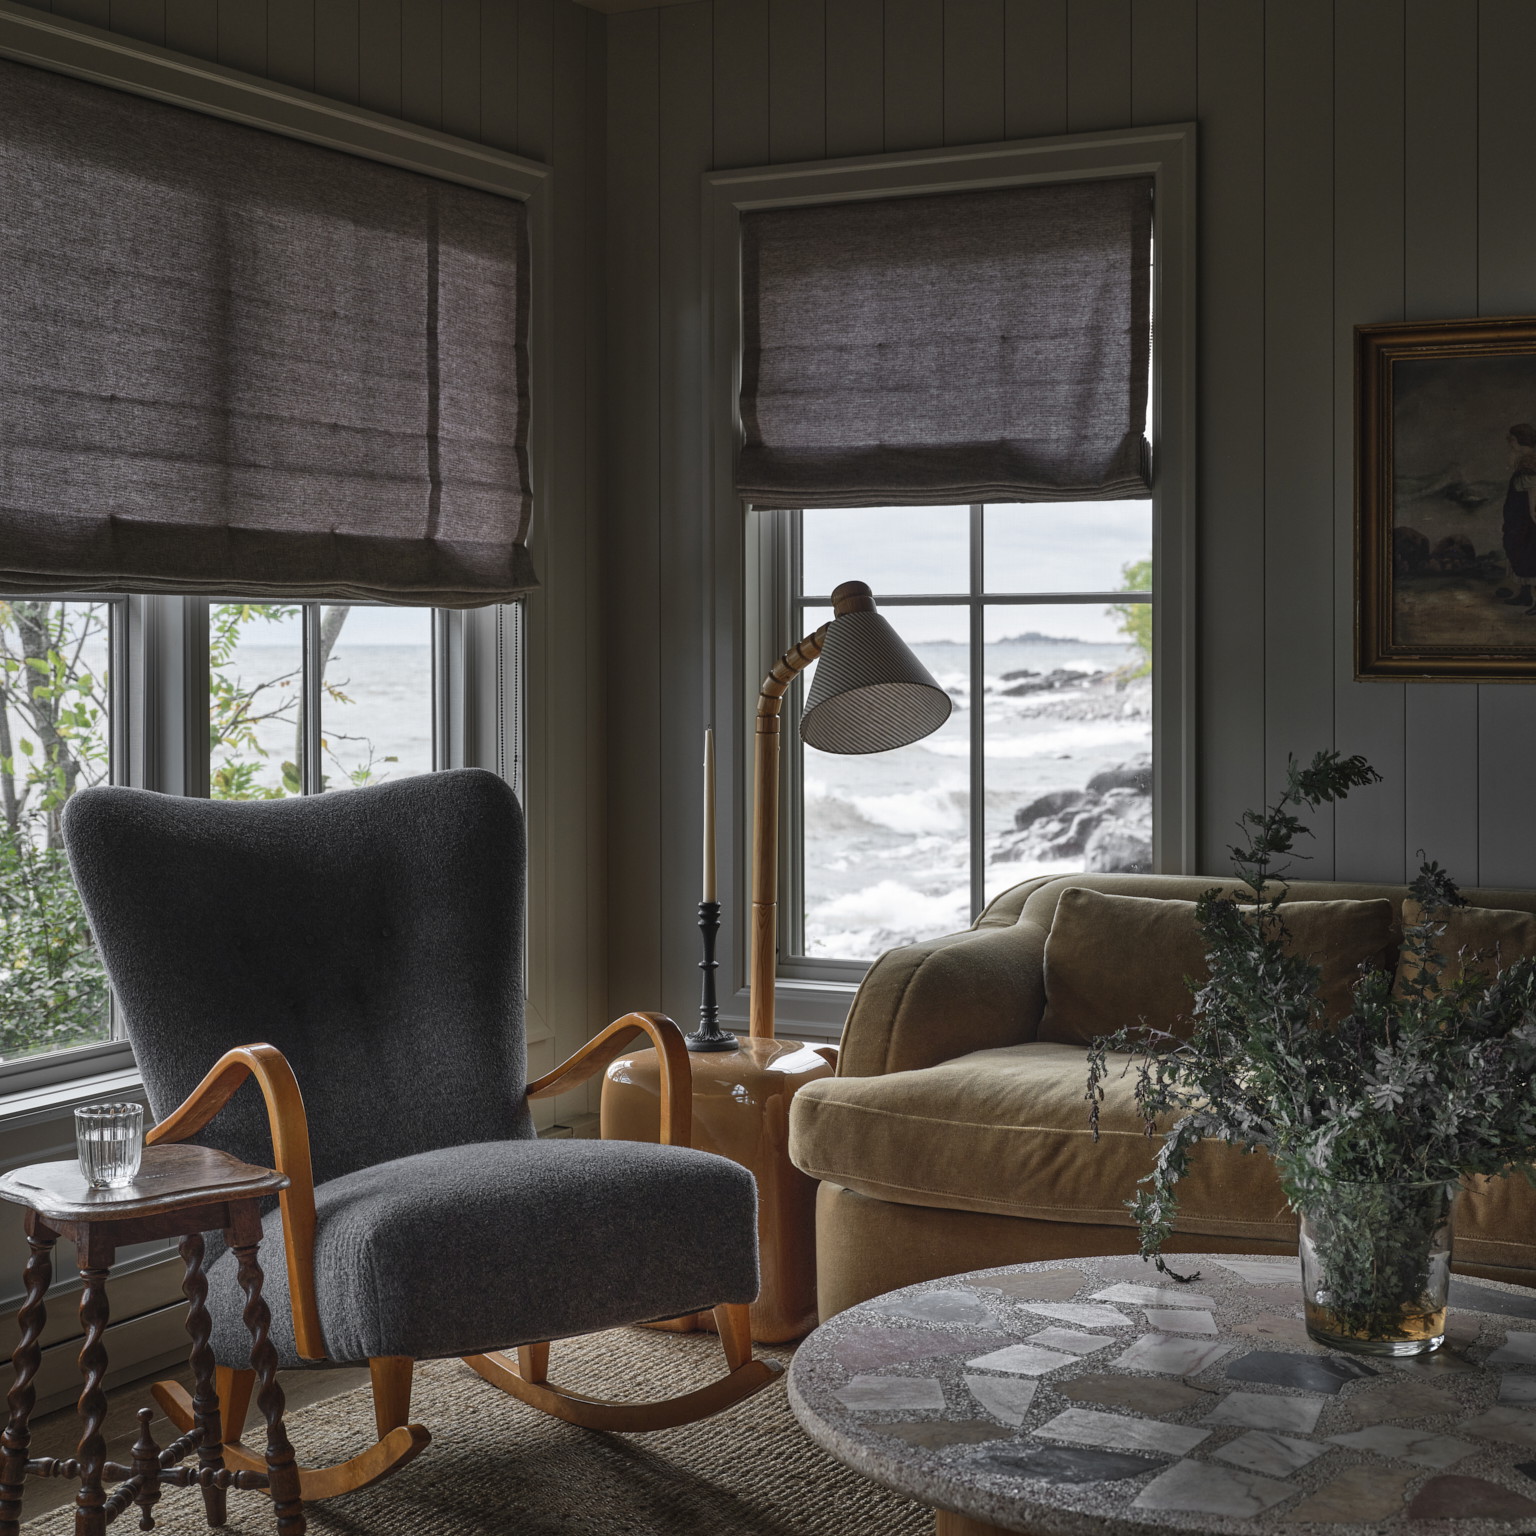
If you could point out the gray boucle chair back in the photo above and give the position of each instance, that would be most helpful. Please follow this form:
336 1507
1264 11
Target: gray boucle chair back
374 936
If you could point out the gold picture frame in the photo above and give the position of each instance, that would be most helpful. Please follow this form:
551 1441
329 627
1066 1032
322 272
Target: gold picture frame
1445 501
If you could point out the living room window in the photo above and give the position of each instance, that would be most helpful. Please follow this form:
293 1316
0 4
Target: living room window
907 395
1037 619
301 698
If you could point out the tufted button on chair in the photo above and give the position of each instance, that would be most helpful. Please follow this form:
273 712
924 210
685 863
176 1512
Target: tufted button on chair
371 941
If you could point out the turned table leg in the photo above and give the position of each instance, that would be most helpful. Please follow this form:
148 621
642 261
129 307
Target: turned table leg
26 1359
95 1258
205 1396
282 1465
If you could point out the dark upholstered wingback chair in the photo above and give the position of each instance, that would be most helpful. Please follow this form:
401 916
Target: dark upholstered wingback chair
365 949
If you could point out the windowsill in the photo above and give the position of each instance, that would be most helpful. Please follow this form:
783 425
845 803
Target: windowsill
812 1010
27 1106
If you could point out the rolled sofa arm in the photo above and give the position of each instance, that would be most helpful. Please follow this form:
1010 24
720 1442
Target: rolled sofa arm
946 997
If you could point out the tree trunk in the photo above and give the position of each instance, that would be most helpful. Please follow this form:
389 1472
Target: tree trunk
331 621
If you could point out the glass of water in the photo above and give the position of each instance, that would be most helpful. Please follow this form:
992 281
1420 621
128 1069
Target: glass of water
111 1142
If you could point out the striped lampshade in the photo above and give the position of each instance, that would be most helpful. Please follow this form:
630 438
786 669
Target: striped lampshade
870 693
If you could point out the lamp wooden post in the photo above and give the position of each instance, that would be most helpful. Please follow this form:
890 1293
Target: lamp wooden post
870 694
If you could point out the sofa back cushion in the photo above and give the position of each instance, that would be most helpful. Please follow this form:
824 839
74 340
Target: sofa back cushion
1476 941
1112 961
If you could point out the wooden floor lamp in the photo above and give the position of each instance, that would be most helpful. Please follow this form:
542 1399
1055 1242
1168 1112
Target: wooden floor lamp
870 694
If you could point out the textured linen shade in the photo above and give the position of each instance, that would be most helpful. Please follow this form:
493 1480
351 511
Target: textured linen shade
970 346
235 363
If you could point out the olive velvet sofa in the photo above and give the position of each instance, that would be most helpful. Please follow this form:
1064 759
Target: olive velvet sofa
955 1134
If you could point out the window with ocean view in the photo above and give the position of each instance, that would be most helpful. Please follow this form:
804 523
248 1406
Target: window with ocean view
306 698
302 698
1037 619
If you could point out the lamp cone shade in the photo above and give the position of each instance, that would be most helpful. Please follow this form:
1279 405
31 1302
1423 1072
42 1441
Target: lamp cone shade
870 693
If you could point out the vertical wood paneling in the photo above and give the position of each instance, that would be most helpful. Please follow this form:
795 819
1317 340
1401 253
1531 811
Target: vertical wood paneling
1098 64
571 819
1440 759
421 62
1163 61
914 74
635 688
974 46
1368 285
1298 388
1035 68
192 26
535 82
243 35
1506 237
143 19
461 69
336 49
291 42
1232 572
855 44
740 82
378 57
690 120
797 80
498 75
97 12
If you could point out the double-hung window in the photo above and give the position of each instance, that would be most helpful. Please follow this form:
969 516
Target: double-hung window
977 368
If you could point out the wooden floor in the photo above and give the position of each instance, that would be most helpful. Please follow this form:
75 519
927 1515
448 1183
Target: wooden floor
56 1434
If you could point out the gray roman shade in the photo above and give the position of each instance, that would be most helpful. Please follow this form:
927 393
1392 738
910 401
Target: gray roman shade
971 346
235 363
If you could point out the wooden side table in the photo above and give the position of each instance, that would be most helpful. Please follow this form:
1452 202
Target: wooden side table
741 1111
180 1191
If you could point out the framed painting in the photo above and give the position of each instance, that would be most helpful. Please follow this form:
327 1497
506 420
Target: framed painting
1445 516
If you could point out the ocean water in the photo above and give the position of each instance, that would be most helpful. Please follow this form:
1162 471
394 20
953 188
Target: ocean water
886 837
376 714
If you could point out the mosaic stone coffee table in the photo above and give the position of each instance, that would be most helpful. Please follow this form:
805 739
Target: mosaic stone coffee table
1099 1397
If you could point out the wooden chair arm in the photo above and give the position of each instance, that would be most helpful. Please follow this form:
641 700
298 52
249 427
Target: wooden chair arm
290 1151
671 1052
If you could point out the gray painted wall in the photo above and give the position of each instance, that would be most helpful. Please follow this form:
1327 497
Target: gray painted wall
1365 160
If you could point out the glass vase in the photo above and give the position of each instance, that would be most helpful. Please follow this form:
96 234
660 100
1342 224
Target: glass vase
1376 1266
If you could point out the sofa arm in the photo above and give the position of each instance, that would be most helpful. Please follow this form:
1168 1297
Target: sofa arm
944 998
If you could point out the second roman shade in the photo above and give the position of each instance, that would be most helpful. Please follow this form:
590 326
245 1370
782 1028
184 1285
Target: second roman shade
971 346
235 364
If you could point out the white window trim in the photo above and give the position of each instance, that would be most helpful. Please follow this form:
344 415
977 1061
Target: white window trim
163 651
748 601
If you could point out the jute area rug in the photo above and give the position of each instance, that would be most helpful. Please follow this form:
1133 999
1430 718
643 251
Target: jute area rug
499 1468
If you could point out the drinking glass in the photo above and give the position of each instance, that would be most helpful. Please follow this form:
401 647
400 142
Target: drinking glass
111 1142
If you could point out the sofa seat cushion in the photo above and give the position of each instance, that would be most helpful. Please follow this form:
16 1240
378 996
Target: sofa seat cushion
1006 1131
481 1247
1114 961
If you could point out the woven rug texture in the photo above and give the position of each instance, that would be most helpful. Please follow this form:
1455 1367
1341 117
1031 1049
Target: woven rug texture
500 1468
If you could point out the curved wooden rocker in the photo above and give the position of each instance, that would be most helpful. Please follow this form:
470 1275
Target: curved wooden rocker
390 1377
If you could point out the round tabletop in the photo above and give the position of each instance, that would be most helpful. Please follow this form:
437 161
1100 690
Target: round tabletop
1098 1396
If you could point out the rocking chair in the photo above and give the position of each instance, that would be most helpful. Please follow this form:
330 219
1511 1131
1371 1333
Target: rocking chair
373 939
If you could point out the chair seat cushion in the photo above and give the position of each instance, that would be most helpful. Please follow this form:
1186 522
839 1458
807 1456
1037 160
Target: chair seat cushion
1006 1130
482 1247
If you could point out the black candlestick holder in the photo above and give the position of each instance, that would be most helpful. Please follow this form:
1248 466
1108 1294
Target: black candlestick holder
709 1036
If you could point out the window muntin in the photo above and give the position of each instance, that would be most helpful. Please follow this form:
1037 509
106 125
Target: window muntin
1049 628
58 681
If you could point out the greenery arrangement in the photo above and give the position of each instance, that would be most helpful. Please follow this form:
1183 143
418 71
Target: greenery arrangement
54 739
1423 1082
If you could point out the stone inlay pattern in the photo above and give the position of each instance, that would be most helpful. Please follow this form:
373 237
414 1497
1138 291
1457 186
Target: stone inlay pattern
1054 1418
